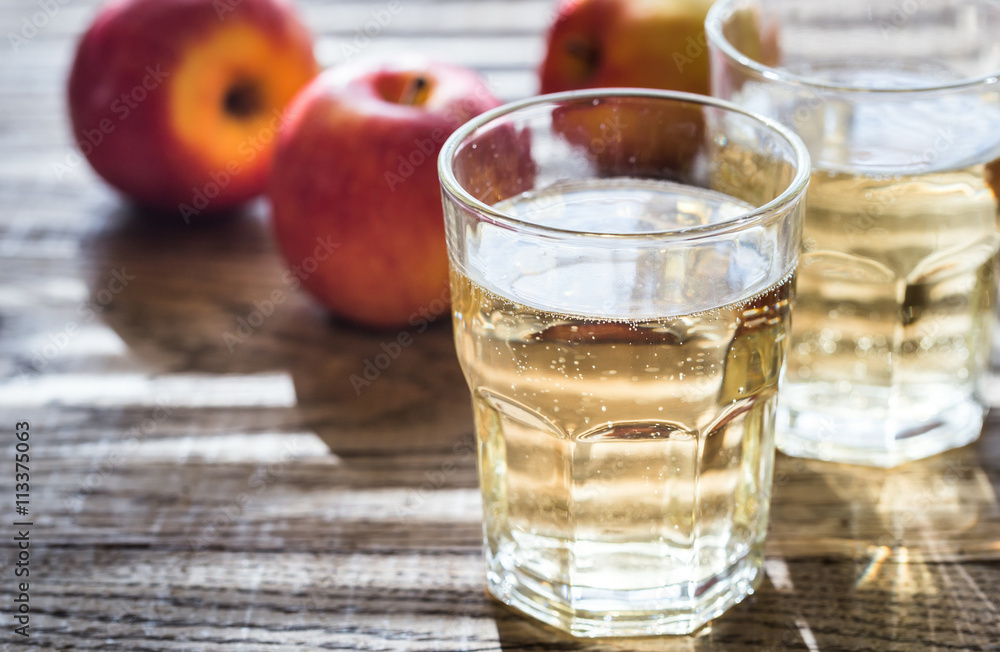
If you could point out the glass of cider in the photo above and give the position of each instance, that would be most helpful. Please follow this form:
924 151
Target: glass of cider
622 268
899 106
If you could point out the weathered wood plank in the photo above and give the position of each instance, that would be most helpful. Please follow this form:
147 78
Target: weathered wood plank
190 494
420 601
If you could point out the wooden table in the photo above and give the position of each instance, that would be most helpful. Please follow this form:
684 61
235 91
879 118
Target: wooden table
189 493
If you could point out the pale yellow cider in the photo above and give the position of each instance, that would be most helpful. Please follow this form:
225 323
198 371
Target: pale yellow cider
621 455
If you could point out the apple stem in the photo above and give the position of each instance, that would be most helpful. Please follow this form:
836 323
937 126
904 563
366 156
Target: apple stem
415 93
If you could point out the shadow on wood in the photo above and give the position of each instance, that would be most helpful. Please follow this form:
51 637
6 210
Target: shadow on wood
216 299
941 508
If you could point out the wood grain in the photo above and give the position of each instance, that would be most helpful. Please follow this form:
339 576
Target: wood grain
191 495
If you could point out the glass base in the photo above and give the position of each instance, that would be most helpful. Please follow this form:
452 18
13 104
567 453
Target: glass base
591 612
874 427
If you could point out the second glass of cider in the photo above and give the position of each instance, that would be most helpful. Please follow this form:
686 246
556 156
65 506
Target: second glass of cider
899 105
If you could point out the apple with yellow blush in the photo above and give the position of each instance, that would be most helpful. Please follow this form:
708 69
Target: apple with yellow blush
627 43
178 103
628 136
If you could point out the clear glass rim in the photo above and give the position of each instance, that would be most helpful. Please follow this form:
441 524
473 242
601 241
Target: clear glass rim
454 189
723 9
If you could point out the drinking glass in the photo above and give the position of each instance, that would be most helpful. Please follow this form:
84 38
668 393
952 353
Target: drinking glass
622 263
899 106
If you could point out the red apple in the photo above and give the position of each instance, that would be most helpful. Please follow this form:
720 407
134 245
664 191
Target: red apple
620 43
356 169
634 137
495 163
177 103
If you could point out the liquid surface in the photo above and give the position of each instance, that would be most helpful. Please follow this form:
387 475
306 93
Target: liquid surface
624 206
624 462
857 133
646 281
